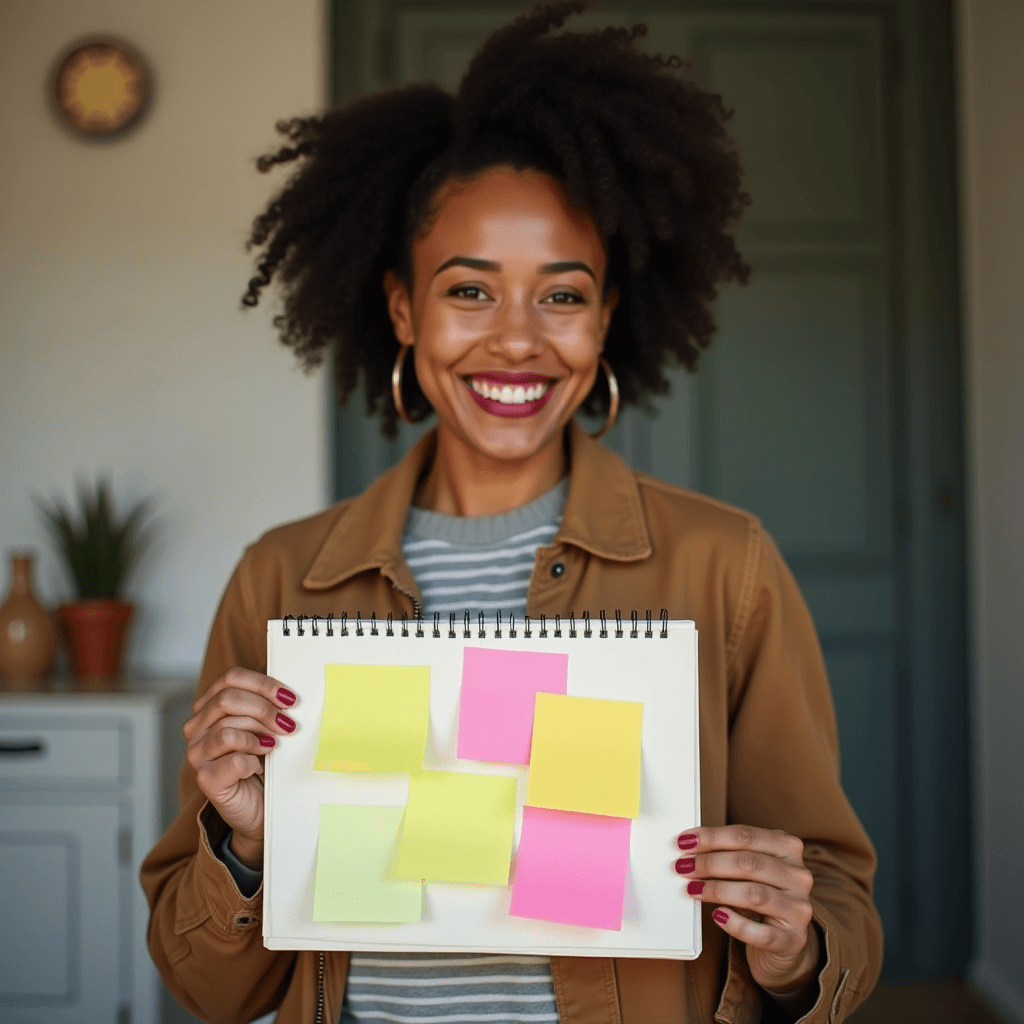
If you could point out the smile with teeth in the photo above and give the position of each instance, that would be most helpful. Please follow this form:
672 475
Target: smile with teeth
509 394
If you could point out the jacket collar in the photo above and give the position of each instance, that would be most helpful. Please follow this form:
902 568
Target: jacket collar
603 515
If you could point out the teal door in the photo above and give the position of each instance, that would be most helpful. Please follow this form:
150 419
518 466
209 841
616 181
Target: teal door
802 410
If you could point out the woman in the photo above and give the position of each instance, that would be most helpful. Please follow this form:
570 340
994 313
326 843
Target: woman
564 218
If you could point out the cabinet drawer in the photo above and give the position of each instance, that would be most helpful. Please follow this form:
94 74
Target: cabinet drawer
42 750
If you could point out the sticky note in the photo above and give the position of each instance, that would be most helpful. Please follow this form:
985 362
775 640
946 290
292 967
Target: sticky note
353 882
497 698
571 868
458 828
375 718
585 755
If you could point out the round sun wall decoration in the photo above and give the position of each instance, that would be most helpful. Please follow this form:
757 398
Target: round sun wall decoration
101 87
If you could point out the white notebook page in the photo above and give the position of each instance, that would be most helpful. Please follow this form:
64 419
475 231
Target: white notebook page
659 919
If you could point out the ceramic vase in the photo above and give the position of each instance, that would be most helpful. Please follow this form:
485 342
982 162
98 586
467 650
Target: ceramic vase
27 636
96 631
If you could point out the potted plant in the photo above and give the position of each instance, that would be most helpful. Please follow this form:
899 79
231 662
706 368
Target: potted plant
98 551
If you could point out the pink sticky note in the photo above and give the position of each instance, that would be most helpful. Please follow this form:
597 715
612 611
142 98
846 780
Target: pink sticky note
571 868
498 693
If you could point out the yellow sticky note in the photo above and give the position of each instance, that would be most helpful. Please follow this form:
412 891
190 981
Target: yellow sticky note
458 828
375 718
353 882
585 755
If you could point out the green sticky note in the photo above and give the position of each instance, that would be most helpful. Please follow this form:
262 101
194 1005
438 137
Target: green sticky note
458 828
375 718
353 880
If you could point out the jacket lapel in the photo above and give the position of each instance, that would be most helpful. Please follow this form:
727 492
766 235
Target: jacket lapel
603 515
368 532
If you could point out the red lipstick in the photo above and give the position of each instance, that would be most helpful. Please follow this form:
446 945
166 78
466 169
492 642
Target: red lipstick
510 379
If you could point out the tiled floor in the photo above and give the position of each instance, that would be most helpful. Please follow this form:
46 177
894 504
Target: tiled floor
940 1002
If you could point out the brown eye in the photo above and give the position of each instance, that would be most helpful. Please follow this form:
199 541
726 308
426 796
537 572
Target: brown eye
468 291
565 298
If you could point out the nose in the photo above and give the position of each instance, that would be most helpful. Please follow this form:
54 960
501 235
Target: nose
515 336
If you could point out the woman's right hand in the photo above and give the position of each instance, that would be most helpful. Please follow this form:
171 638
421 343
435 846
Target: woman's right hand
234 724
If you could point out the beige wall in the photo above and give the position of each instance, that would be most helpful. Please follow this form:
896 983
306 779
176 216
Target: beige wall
993 168
122 344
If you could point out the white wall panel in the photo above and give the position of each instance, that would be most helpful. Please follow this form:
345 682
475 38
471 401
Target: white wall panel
123 346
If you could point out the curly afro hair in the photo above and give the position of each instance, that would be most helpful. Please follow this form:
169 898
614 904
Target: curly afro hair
631 135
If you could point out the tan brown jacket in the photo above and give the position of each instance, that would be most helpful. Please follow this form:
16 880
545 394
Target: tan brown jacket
767 740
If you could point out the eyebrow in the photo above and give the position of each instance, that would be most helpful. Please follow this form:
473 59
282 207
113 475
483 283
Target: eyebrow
565 266
491 267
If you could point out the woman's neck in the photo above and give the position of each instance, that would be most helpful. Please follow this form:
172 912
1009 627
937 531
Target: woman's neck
463 482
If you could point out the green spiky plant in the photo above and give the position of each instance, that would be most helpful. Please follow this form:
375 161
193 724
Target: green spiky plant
98 549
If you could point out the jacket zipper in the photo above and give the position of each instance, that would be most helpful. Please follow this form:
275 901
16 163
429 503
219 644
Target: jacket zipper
320 988
417 611
417 608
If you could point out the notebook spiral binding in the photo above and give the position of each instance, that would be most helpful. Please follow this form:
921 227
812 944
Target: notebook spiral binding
316 623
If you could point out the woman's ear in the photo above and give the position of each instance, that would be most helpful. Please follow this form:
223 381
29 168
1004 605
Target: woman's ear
399 307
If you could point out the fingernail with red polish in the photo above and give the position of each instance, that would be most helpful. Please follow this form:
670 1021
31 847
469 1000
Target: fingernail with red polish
687 841
721 916
694 888
286 697
685 865
285 722
267 741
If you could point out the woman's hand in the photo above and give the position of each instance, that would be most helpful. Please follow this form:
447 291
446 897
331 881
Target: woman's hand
762 873
234 723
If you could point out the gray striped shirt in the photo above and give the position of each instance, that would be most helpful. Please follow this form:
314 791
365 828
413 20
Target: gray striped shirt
431 988
480 565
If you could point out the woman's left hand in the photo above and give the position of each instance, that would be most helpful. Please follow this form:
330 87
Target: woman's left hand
759 876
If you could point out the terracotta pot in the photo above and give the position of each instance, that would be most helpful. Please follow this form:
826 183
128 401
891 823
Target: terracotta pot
96 631
27 636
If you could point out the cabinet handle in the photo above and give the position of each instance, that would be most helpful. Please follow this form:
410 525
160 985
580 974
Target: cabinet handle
21 748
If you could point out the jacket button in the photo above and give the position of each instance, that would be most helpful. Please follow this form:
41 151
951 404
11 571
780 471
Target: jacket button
558 569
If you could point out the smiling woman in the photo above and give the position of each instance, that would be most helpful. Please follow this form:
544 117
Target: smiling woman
507 313
568 211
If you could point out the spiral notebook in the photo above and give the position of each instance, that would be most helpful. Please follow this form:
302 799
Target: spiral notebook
473 786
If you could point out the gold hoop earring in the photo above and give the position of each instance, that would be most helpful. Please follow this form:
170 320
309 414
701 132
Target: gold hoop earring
396 384
613 400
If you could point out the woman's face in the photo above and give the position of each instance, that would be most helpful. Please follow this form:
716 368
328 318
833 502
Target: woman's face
506 312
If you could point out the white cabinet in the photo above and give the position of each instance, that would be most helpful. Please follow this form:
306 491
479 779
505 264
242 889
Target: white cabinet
88 781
